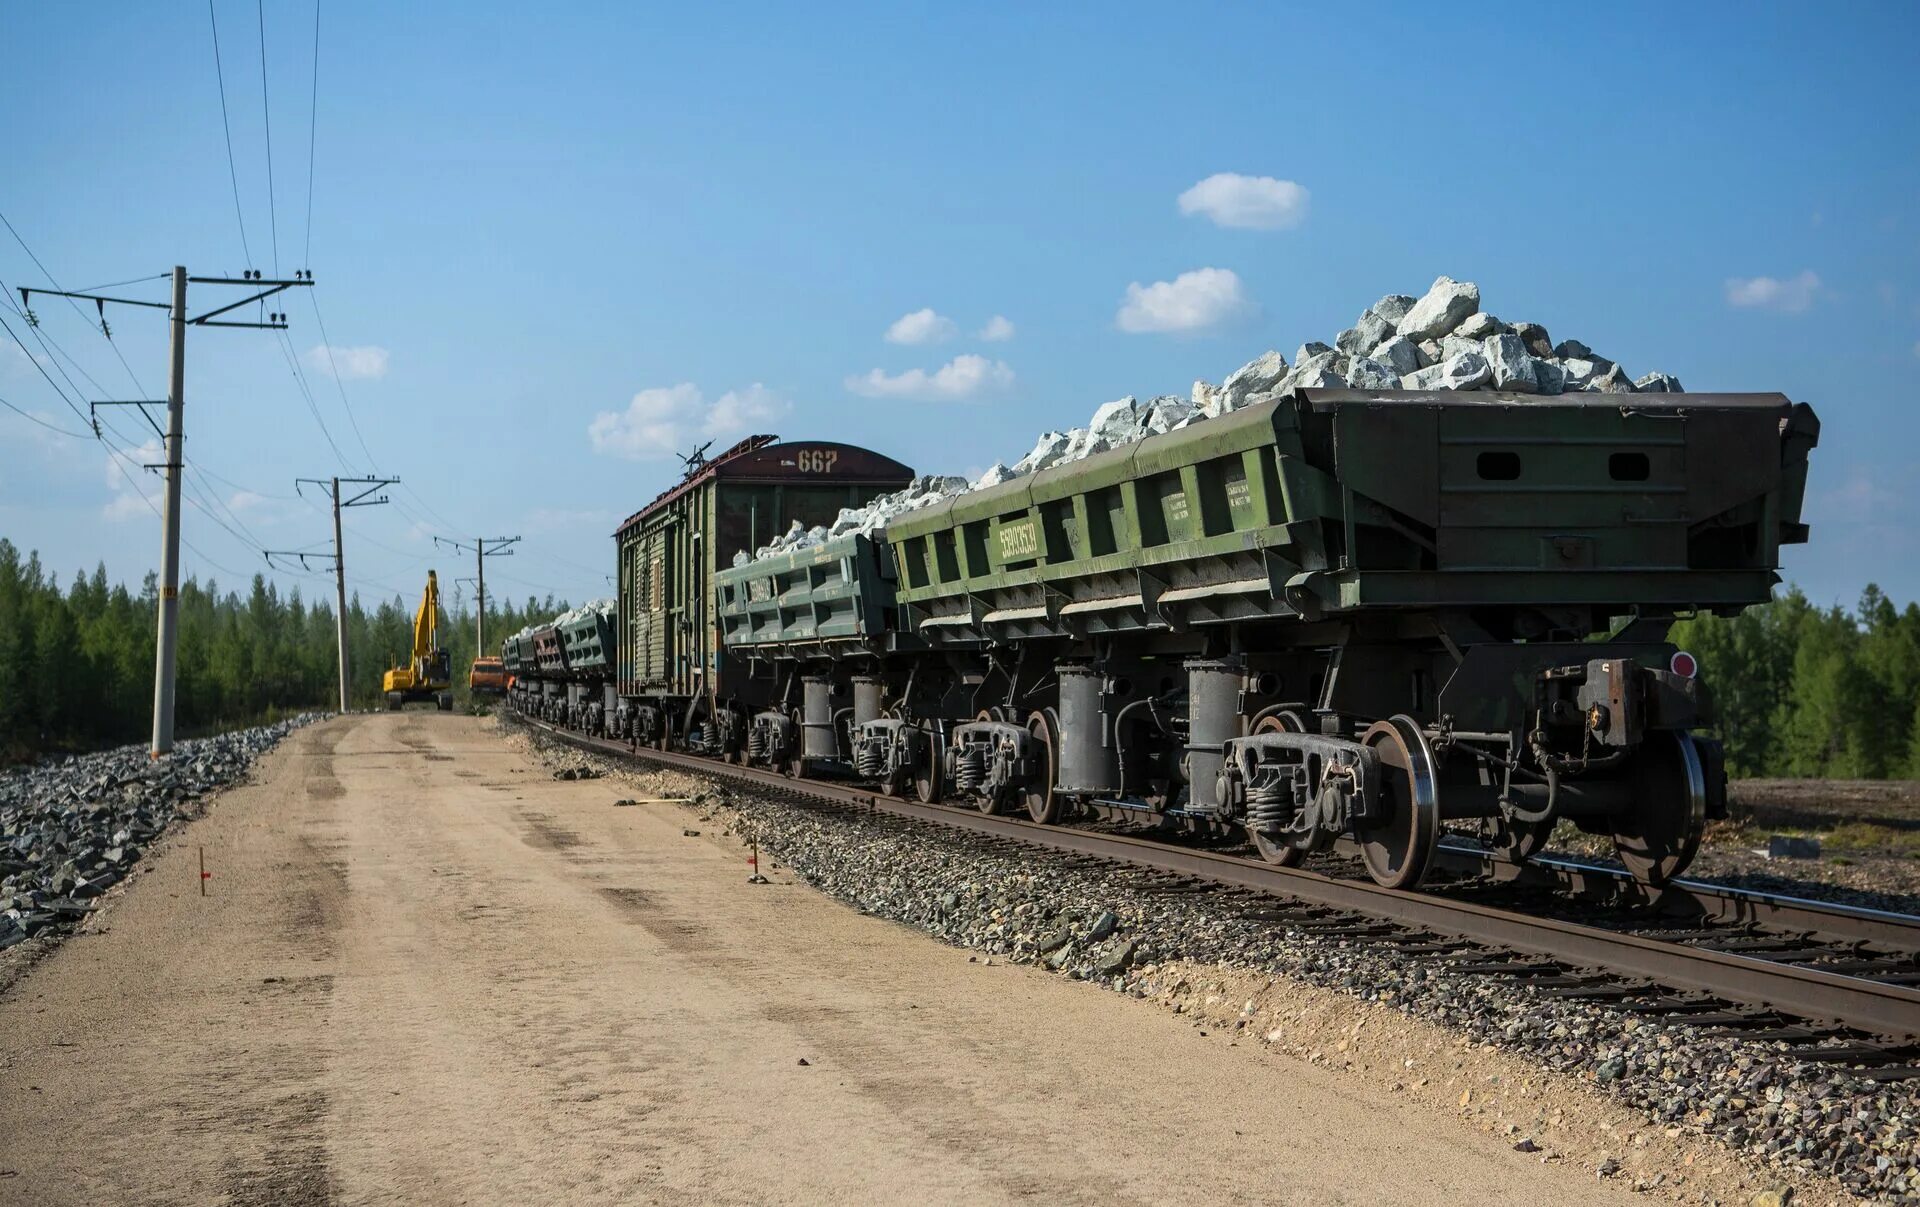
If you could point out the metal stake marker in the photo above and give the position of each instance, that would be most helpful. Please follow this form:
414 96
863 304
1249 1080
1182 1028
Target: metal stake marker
754 859
203 871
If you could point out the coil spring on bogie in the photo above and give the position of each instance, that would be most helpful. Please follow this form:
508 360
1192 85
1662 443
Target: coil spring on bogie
1269 799
757 743
970 770
870 759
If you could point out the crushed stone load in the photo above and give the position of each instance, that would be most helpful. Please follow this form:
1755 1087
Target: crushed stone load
605 607
1442 340
70 829
921 492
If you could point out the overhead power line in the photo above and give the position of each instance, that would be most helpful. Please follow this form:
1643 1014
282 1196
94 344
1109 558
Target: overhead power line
226 126
313 123
266 114
52 427
326 342
101 327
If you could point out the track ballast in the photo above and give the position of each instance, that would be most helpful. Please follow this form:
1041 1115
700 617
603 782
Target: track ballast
1841 982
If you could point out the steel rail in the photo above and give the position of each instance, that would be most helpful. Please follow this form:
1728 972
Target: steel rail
1813 994
1691 898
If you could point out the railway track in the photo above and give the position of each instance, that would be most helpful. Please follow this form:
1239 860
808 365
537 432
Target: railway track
1840 983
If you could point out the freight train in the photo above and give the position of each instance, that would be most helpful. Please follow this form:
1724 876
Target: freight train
1337 613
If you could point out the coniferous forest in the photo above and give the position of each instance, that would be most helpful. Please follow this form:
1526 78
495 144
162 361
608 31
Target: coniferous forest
1800 691
76 659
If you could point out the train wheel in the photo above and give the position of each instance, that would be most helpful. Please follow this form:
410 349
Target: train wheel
1398 849
1042 805
927 788
1280 854
1659 837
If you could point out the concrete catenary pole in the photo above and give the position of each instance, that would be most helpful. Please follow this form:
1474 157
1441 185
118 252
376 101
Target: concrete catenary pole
169 621
340 596
480 613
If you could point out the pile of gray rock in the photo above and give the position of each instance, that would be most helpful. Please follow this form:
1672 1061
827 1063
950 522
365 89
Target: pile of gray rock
72 828
606 607
921 492
1439 341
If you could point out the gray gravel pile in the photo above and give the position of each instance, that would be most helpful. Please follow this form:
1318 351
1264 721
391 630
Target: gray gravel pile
606 607
1104 927
1441 340
923 491
70 829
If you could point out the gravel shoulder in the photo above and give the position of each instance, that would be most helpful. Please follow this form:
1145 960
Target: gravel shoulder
427 971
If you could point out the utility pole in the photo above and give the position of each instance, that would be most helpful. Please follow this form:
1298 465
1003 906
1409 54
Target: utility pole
171 462
482 547
339 560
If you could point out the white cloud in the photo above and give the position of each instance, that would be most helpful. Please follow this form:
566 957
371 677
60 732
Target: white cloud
1250 202
1791 296
245 500
1192 301
664 420
963 377
127 502
366 361
921 327
127 506
999 328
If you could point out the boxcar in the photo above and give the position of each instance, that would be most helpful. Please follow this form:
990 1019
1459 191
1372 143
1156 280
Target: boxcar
671 671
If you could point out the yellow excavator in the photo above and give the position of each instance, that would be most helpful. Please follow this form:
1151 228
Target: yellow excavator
428 674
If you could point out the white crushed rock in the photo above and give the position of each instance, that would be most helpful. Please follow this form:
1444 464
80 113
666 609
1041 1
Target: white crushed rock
1439 341
606 607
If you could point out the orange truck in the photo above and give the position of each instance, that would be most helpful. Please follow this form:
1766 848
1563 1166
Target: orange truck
488 677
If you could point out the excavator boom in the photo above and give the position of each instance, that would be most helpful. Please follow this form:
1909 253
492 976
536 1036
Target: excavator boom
428 674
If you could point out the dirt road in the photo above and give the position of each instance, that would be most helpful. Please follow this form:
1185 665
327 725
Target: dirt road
428 973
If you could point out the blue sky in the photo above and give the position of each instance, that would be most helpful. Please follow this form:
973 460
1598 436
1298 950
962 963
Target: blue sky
550 245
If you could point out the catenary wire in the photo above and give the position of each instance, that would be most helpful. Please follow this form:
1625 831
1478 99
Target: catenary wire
326 342
75 305
313 122
52 427
233 173
266 114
